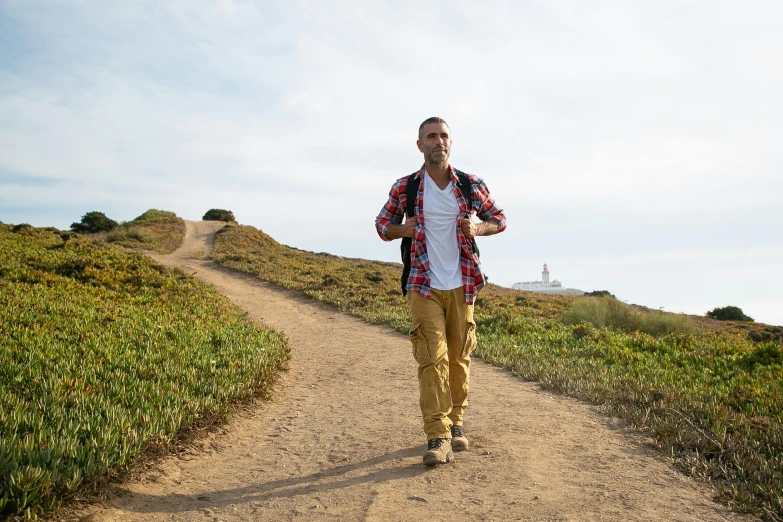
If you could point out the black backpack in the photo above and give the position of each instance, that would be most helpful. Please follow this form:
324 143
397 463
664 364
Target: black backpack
411 190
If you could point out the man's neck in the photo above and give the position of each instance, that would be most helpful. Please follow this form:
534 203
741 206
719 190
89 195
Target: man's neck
439 172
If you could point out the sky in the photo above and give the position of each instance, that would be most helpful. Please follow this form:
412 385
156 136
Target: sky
634 146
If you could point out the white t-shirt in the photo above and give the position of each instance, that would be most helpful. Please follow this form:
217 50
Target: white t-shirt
441 211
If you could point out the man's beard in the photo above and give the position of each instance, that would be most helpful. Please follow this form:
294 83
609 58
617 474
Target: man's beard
439 156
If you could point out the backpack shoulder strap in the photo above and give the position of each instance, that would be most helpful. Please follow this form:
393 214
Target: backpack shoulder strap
464 186
411 190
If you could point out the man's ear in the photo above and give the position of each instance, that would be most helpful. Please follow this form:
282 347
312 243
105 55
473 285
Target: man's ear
418 144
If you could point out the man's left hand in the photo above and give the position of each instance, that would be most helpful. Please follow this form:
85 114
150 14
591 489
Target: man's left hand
469 228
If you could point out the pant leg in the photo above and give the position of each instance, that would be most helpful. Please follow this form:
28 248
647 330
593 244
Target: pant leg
430 349
461 339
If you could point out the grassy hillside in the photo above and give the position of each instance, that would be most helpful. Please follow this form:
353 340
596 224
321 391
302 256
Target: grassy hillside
105 354
708 394
157 230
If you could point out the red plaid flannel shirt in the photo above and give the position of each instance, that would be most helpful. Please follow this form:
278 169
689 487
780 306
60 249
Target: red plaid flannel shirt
482 203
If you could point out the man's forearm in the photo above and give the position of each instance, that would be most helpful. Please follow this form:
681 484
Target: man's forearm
487 228
398 231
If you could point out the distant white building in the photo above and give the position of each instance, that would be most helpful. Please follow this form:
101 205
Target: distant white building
540 286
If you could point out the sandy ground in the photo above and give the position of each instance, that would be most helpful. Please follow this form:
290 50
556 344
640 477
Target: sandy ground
341 439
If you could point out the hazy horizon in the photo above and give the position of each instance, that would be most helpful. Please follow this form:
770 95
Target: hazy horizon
634 146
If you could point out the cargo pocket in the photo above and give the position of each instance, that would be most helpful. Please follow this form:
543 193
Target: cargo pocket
470 339
420 351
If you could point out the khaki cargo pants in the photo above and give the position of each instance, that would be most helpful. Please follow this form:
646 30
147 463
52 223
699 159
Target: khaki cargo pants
443 335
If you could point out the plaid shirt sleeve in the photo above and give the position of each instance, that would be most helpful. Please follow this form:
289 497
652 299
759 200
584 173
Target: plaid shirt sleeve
393 211
484 205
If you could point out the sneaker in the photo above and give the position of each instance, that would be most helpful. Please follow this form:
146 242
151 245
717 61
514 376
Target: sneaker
438 452
458 440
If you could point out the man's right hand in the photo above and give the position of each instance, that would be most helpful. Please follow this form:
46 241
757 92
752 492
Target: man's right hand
407 229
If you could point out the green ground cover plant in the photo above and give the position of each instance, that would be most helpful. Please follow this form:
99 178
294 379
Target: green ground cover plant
709 396
106 355
156 230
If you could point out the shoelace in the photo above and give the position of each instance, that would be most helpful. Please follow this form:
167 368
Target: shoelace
456 431
434 443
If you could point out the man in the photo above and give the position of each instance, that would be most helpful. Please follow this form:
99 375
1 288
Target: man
444 278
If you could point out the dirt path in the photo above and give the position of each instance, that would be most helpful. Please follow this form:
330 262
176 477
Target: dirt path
341 439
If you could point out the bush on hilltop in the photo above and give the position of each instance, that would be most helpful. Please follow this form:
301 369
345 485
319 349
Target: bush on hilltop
154 215
93 222
600 293
729 313
218 214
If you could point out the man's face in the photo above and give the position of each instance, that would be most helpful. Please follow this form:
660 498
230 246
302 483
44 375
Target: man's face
435 142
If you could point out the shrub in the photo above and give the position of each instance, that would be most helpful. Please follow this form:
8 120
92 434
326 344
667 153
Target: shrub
763 355
218 214
609 312
599 293
93 222
765 333
155 216
729 313
375 277
22 228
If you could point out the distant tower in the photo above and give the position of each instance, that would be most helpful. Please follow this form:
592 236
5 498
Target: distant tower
545 274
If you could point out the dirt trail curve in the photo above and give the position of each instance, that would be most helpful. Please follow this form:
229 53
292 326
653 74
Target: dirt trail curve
341 439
